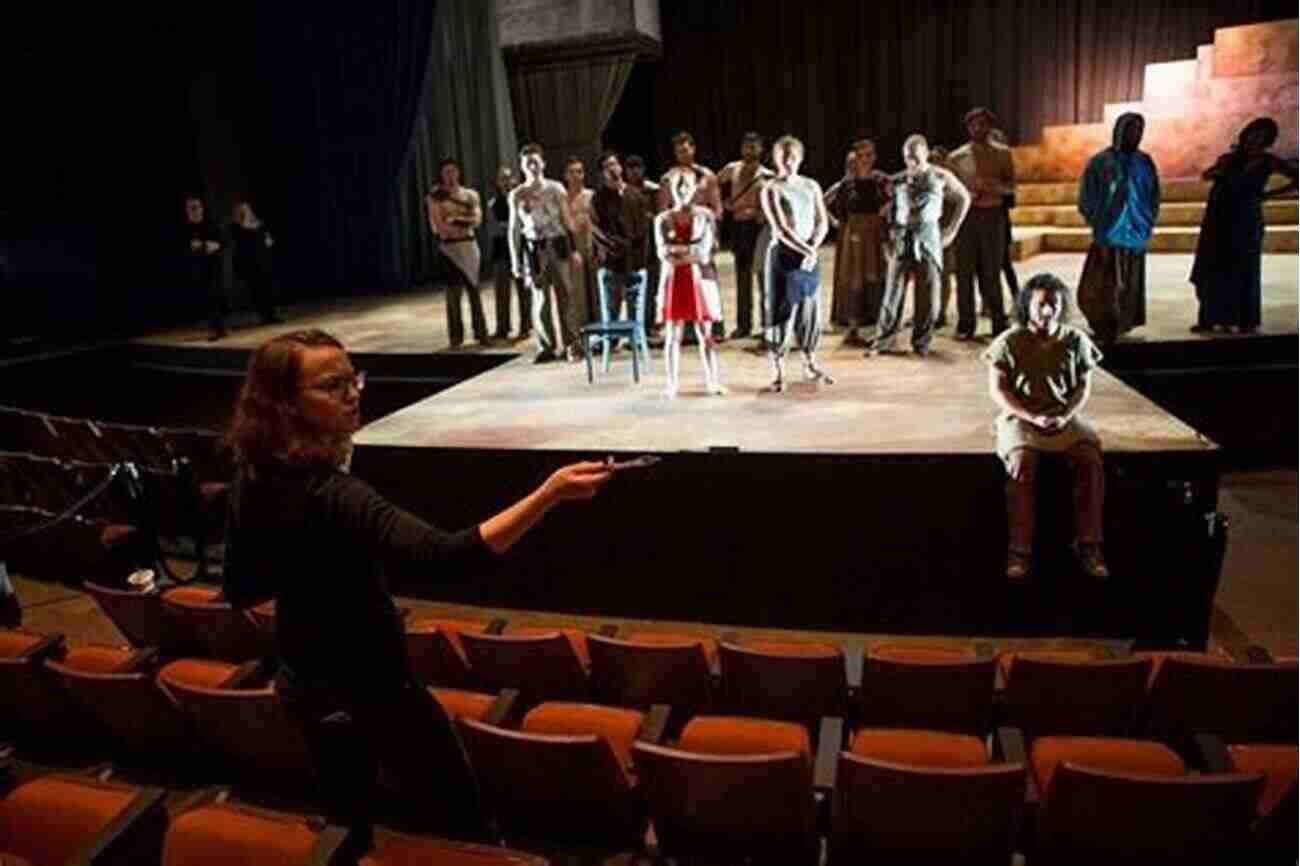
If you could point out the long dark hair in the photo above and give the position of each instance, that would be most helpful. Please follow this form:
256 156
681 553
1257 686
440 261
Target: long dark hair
266 428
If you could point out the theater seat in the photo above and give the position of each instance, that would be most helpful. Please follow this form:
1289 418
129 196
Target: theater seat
935 688
571 788
436 652
461 704
128 698
615 725
643 670
140 617
34 705
1275 828
221 834
1110 754
246 725
64 820
788 680
732 789
542 664
211 623
912 796
1060 694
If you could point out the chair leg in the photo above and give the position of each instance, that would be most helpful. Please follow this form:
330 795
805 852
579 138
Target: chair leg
636 366
604 352
590 375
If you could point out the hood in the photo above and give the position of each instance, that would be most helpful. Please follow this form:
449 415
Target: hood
1122 123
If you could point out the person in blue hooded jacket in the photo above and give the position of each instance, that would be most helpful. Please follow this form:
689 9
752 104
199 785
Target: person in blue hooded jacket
1119 196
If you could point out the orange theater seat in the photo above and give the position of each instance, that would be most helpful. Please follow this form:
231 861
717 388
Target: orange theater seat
911 796
223 833
436 652
644 670
926 687
617 726
783 680
59 820
461 704
139 616
211 623
733 789
392 849
1057 693
542 664
1102 753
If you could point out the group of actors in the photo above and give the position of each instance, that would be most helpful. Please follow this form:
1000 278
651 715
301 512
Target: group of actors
203 247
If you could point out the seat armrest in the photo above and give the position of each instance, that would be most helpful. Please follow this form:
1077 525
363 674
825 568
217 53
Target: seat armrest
146 657
46 648
830 742
243 675
655 724
329 847
985 649
855 655
1010 746
502 708
107 846
198 799
496 626
1213 754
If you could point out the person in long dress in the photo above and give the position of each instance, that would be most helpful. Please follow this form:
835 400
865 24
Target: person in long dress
855 203
686 296
1226 269
582 263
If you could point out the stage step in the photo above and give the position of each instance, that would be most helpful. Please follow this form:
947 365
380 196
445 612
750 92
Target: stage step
1032 240
1282 212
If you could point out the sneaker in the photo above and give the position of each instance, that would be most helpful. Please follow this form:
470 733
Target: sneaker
1017 565
813 373
718 389
1091 560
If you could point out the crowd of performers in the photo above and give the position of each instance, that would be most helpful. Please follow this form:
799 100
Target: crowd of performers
647 251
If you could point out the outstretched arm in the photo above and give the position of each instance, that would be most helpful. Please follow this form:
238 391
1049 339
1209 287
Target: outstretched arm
578 481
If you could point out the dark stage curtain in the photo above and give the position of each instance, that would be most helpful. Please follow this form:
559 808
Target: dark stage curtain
836 71
465 114
331 111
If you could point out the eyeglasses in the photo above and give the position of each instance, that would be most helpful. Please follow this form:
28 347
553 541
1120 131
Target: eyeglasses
338 385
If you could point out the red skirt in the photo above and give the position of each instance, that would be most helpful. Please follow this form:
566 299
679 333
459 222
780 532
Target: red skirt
684 297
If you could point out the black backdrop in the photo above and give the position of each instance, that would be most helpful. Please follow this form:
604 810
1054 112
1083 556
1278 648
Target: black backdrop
835 71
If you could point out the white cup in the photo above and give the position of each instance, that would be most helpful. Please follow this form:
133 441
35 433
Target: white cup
142 580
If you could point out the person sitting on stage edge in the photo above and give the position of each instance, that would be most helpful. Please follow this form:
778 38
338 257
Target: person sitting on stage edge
1119 196
1040 377
303 531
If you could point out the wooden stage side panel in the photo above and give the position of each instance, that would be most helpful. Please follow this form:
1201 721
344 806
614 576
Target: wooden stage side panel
872 505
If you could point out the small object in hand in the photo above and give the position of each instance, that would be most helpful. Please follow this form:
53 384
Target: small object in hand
641 462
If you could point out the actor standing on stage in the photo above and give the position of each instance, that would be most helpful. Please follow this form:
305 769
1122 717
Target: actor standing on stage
620 230
797 219
454 217
253 260
203 264
634 174
499 227
583 264
948 279
997 136
856 203
986 169
743 180
540 246
1119 196
1040 377
686 294
1226 271
917 240
708 195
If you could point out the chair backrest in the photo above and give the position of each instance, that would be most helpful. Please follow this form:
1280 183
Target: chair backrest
57 820
1097 697
140 617
130 705
640 675
436 653
1093 816
929 689
1241 703
249 727
32 701
543 667
222 631
730 806
779 680
225 833
903 813
552 786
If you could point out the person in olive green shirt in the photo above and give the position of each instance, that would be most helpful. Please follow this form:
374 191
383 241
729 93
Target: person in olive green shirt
1040 376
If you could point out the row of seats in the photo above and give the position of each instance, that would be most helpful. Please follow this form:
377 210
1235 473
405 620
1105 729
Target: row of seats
1166 696
64 820
574 772
83 440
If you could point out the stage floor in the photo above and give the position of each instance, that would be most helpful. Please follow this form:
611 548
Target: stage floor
416 323
886 405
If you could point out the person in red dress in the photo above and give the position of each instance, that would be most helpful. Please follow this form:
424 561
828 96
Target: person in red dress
688 287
